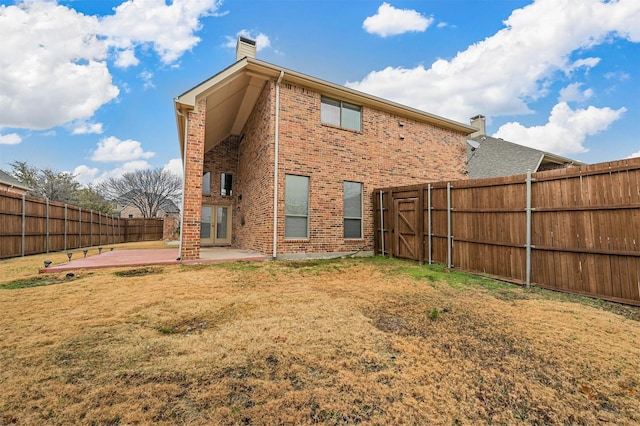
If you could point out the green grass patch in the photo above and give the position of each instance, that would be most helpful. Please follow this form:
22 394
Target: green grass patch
38 281
138 272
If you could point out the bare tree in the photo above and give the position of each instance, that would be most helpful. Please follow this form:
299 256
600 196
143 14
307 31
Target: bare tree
148 190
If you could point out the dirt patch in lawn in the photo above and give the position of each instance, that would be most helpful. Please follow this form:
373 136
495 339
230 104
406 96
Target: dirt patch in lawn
371 341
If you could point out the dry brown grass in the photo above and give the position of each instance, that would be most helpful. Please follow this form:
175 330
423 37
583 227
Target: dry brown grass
371 341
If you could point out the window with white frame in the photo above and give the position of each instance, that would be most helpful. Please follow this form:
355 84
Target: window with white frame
296 207
352 192
206 183
226 181
341 114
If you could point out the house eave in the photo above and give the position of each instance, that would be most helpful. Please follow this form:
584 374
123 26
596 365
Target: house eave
244 80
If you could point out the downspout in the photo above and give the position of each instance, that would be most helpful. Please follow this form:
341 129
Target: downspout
275 168
184 178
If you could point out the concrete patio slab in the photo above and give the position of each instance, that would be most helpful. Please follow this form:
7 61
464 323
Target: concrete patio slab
169 256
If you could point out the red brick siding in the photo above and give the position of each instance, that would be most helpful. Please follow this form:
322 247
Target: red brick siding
383 154
253 222
377 156
193 182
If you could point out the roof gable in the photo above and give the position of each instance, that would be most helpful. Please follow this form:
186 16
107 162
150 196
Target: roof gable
232 93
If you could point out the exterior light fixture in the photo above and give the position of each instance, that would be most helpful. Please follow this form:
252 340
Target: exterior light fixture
99 250
47 263
85 252
69 254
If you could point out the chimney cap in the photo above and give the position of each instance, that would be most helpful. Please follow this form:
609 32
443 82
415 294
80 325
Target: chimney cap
246 48
247 40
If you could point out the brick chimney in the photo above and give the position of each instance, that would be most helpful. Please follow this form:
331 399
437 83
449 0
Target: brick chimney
246 48
479 122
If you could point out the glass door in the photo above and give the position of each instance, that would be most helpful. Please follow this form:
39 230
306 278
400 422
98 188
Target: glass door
215 225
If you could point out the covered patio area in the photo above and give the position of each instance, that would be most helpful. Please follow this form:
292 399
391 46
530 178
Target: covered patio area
148 257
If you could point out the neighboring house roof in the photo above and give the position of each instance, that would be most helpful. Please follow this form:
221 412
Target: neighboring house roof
491 157
167 206
232 93
9 180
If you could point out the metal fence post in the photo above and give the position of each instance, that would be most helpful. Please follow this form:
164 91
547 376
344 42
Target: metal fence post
528 259
46 225
382 222
429 221
65 227
24 220
80 227
449 237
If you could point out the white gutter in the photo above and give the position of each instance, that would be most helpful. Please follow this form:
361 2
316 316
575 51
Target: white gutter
184 177
275 168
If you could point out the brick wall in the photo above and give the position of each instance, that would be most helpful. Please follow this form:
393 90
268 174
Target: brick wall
389 151
193 182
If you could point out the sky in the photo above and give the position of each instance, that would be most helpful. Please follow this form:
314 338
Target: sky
87 86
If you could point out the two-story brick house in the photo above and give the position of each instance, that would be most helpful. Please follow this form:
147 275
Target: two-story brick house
283 163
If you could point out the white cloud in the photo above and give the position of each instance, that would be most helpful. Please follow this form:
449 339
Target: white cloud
565 131
174 166
168 28
634 155
10 139
573 93
85 175
54 60
262 40
586 63
52 64
86 128
390 21
147 78
90 175
126 58
112 149
503 73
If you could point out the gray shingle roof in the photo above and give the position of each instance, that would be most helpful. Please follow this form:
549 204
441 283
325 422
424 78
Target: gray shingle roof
7 179
496 158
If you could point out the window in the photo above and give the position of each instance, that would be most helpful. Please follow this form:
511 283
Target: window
352 209
226 180
296 206
341 114
206 183
130 216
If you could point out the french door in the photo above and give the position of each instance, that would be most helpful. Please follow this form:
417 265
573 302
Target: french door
215 225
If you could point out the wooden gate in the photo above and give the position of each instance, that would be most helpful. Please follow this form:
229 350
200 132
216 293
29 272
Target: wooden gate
406 234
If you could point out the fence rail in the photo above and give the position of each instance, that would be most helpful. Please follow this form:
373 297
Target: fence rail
31 225
575 230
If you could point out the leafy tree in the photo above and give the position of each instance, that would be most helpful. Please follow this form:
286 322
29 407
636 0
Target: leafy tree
59 186
47 183
148 190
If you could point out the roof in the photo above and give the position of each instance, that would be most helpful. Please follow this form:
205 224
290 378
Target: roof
9 180
492 157
232 93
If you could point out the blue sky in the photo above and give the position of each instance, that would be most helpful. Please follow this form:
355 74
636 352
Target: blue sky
87 86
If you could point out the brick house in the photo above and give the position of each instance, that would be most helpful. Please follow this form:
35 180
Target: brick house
10 184
326 146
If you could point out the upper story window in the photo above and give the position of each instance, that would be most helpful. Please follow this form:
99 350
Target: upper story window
341 114
206 183
226 181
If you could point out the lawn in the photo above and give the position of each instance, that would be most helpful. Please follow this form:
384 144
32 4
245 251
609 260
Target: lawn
373 341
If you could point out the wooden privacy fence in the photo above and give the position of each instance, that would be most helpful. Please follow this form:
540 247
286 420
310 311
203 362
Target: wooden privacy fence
575 230
30 225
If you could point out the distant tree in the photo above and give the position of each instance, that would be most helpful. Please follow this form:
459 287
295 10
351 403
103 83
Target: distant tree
59 186
90 198
148 190
47 183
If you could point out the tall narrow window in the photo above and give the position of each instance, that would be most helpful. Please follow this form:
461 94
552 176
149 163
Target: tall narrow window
226 180
296 207
341 114
206 183
352 209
